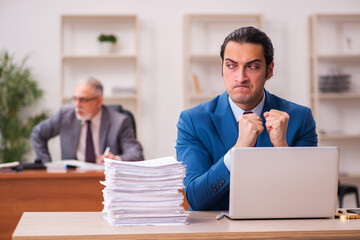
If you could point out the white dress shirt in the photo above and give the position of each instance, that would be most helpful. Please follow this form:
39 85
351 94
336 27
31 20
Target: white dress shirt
95 131
237 111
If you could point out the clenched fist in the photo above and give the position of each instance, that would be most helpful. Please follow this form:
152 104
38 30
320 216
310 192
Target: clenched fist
250 126
276 123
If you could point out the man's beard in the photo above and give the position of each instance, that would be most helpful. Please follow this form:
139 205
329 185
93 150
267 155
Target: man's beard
86 116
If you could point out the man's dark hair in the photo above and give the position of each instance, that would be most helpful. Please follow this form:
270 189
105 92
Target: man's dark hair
251 35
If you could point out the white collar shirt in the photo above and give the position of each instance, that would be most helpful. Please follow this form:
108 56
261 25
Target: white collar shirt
237 111
95 130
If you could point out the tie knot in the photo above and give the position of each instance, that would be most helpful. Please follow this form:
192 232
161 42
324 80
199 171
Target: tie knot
88 122
247 112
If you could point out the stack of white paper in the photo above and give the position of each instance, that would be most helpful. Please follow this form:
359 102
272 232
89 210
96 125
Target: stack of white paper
144 193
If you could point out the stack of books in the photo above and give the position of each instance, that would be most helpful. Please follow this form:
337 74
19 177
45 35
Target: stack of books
335 83
144 192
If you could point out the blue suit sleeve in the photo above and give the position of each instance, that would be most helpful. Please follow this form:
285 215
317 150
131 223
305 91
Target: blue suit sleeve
207 179
308 136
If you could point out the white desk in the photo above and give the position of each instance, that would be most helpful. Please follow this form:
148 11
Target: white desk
203 225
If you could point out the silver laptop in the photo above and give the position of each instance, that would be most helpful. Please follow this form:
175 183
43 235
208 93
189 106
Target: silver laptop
293 182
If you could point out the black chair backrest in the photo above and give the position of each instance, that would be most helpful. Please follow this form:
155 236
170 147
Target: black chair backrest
120 109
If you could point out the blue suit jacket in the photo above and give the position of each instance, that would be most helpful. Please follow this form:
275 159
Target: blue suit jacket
206 133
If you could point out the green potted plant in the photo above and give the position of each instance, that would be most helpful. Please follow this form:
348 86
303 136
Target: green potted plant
107 43
17 90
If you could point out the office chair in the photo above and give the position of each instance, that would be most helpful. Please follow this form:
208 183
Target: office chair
120 109
347 189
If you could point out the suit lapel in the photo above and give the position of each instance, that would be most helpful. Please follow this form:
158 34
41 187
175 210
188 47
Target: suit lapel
104 128
72 137
224 122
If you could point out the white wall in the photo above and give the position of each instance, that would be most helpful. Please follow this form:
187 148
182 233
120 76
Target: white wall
32 27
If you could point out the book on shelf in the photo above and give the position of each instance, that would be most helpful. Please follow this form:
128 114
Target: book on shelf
195 85
119 90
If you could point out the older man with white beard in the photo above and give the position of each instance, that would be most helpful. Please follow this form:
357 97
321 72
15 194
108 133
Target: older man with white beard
87 129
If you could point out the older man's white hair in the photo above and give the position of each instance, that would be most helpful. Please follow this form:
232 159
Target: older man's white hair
96 84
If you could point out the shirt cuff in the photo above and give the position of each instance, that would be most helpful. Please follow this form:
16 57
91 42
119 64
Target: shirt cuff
227 160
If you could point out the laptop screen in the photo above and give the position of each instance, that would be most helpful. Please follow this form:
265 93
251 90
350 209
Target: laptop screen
292 182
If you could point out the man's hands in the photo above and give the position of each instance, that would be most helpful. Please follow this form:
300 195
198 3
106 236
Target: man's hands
276 125
250 126
107 155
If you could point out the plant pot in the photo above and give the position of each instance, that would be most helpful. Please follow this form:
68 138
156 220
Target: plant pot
106 47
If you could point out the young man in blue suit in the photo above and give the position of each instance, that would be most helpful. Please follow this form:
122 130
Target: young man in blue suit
207 132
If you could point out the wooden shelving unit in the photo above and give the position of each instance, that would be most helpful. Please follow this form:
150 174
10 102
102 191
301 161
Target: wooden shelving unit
81 57
335 84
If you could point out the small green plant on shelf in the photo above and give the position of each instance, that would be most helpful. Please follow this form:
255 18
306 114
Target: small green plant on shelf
107 43
107 38
18 90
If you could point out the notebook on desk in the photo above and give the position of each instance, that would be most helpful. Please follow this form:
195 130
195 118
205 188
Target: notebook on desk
294 182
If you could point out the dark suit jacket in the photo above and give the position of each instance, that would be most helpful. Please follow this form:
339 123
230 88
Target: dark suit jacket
208 131
116 131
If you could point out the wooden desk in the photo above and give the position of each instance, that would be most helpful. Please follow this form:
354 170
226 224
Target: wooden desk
203 225
41 191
